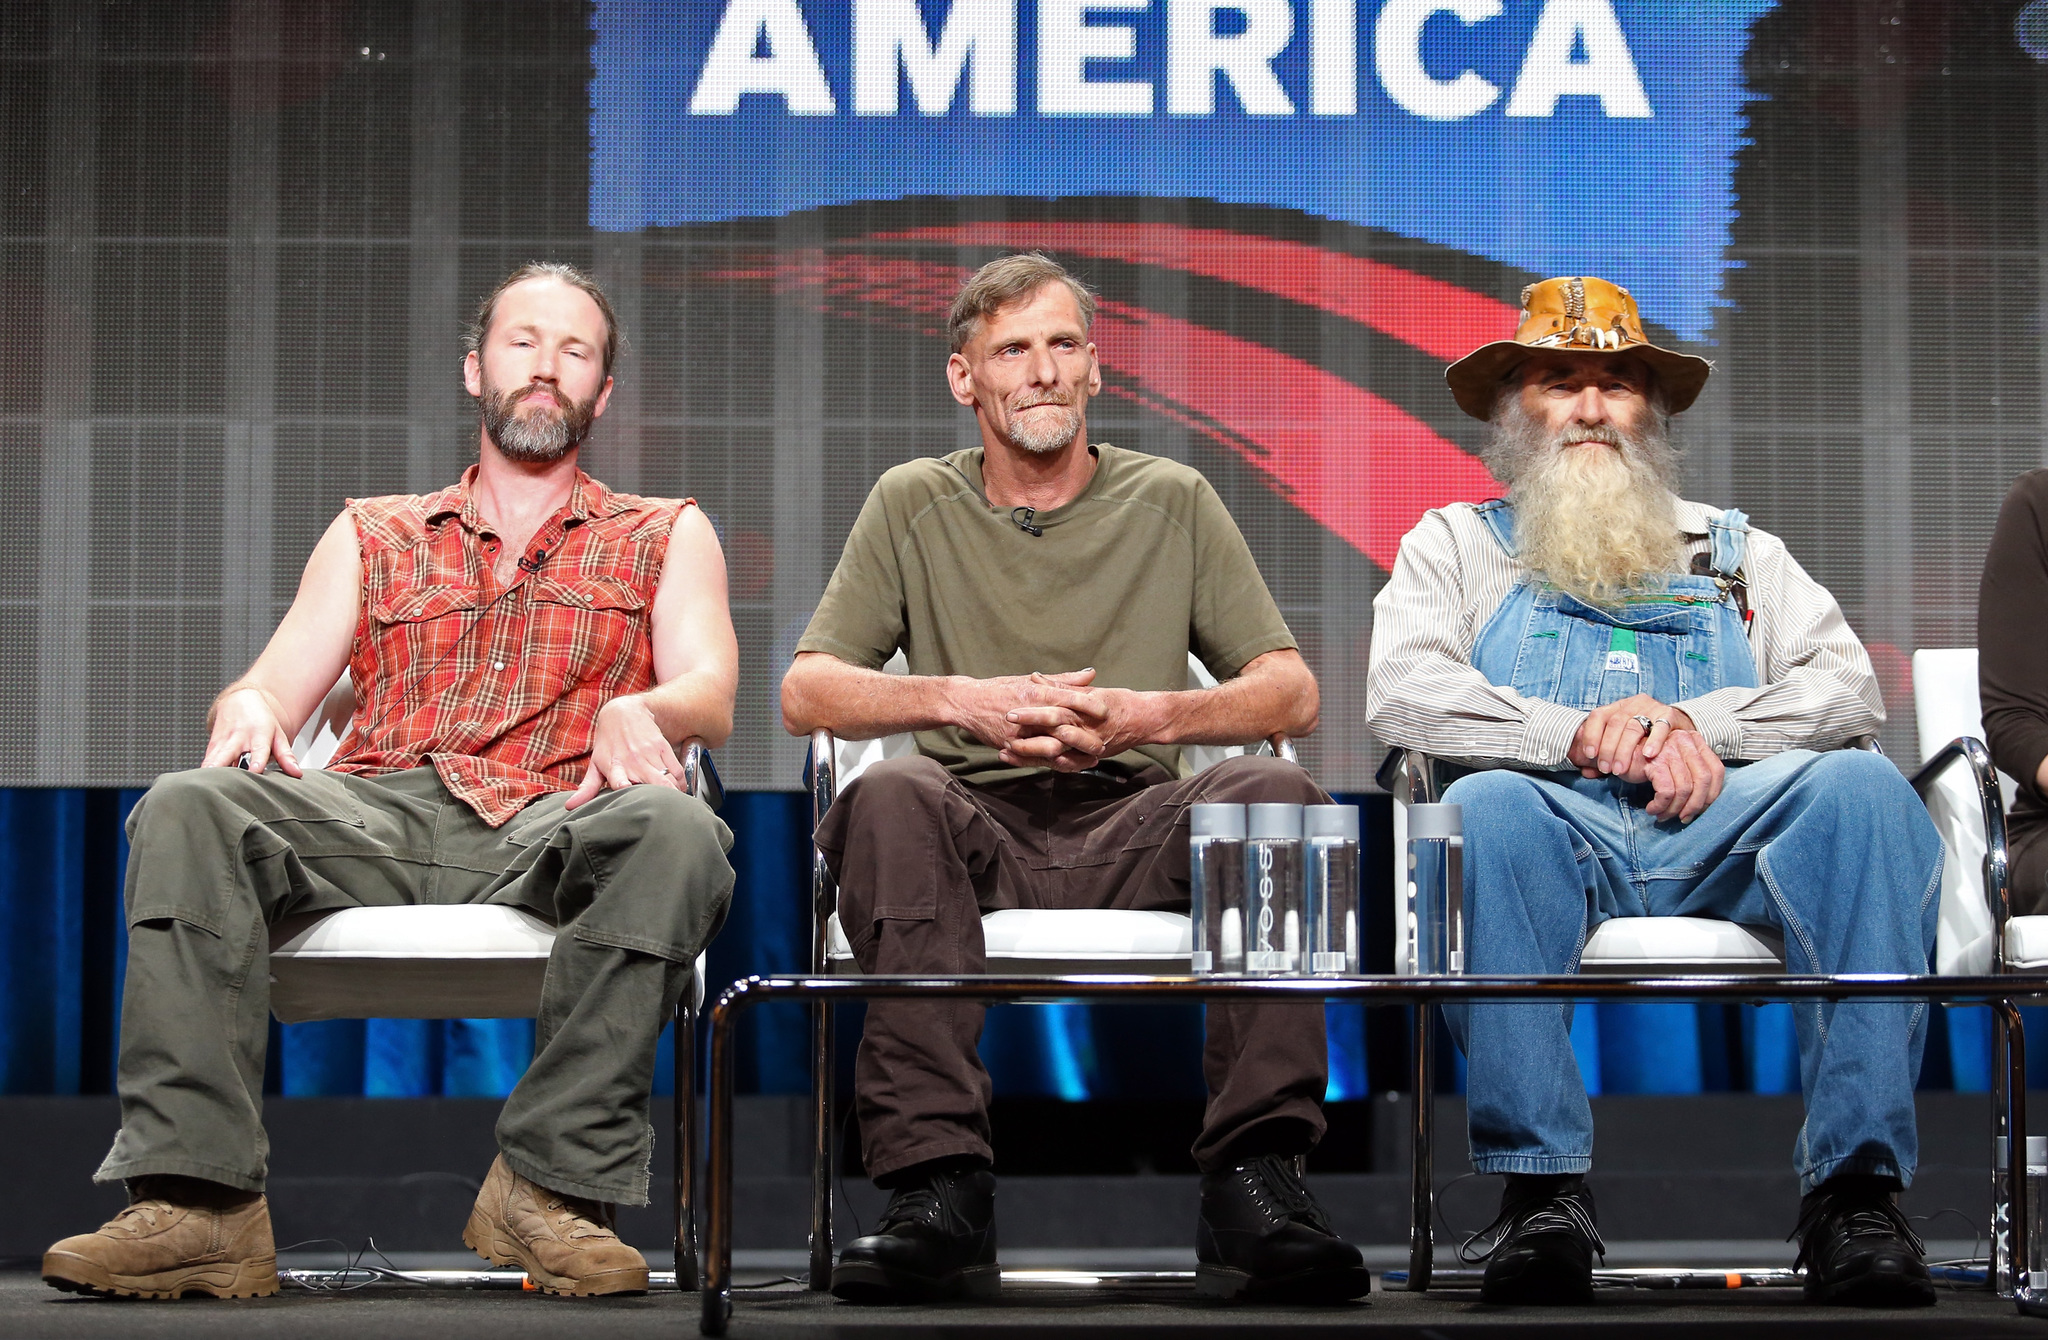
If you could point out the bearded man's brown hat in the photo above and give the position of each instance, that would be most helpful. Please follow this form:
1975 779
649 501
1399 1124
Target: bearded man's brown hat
1576 314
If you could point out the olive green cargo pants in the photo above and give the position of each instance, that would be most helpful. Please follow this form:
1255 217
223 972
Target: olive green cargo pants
637 881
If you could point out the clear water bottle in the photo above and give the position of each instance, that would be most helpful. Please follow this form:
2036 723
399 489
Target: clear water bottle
1330 848
1272 889
1436 888
2033 1272
1216 886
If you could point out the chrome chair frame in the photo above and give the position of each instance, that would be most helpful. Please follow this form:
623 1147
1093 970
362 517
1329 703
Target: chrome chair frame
1421 777
824 902
821 991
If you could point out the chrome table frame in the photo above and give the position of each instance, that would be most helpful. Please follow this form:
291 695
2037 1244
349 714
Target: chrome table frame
1997 992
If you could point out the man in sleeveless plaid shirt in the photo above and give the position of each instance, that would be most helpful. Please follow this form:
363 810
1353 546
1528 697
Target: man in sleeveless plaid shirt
529 650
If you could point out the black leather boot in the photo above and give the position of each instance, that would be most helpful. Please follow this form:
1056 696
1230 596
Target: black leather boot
936 1240
1857 1248
1262 1236
1542 1245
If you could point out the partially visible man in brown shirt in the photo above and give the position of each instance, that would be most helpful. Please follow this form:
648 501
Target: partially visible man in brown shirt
1046 594
2012 674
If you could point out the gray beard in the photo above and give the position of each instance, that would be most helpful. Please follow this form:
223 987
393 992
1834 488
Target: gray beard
1044 437
540 438
1595 522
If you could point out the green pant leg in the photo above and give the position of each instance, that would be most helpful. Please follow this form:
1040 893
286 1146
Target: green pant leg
638 882
216 855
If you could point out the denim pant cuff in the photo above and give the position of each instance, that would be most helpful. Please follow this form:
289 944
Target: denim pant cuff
1532 1163
1869 1165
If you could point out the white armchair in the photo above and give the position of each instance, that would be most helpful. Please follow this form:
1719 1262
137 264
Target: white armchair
471 961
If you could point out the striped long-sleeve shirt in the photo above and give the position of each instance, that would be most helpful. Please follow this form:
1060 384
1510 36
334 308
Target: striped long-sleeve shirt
1423 693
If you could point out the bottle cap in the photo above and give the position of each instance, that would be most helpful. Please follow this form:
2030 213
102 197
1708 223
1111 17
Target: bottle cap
1436 821
2037 1154
1330 821
1273 821
1216 821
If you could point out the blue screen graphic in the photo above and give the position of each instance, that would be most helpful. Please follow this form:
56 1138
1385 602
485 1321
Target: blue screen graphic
1557 136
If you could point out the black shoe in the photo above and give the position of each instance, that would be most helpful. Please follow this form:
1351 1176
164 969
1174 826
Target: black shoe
1542 1244
1262 1235
1857 1249
936 1240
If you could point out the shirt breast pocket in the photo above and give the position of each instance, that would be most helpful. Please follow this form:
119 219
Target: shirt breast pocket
587 624
431 618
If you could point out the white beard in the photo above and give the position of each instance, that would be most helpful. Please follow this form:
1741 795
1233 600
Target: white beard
1594 521
1042 435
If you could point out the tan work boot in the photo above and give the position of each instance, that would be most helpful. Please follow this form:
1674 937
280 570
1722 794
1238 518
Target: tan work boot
179 1236
564 1244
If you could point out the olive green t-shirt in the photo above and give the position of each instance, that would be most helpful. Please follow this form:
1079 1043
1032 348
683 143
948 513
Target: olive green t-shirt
1145 566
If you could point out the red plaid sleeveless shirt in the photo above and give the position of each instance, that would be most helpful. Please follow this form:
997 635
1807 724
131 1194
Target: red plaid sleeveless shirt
497 687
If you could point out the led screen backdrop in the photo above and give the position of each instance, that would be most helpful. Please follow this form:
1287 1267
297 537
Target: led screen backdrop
240 240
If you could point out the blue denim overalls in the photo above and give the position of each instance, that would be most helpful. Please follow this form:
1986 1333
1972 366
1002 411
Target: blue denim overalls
1676 644
1832 849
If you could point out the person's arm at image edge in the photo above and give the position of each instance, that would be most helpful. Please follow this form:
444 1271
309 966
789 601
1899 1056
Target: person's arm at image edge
2012 635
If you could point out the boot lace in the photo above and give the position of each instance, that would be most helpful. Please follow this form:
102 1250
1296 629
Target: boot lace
140 1216
1553 1214
913 1205
573 1218
1862 1217
1275 1182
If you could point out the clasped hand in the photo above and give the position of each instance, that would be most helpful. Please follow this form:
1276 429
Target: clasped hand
1055 721
1672 756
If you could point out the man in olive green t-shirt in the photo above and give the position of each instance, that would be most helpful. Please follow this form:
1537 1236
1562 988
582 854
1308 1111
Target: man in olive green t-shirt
1046 594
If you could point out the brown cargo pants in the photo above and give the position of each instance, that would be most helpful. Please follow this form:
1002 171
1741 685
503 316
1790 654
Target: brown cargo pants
920 855
637 881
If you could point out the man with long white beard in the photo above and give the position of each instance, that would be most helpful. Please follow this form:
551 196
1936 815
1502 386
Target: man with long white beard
1651 693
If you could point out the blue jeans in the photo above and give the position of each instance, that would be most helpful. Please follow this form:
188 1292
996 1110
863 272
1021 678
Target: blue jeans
1833 849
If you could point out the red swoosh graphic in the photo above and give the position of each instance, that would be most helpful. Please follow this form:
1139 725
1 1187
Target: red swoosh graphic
1440 319
1360 465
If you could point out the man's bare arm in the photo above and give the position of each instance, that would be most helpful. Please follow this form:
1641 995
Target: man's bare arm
696 671
259 713
822 691
1274 693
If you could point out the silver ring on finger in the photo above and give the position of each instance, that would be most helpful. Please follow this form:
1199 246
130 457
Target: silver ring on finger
1644 722
665 772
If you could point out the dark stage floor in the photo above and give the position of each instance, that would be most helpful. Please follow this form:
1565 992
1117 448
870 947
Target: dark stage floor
29 1309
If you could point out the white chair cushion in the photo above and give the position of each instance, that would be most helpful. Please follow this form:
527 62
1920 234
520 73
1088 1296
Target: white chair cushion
466 931
475 961
1092 940
2026 943
1639 944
